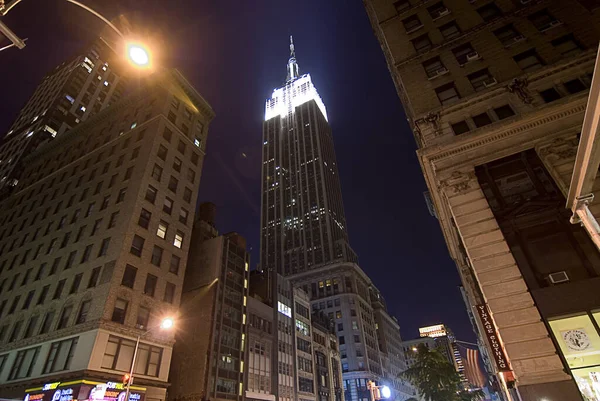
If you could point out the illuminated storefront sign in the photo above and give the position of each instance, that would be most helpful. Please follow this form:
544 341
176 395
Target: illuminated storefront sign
489 330
81 390
439 330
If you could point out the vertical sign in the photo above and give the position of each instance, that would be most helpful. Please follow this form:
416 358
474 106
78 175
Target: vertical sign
490 332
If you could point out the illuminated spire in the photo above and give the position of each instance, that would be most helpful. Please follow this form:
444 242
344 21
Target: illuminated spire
292 67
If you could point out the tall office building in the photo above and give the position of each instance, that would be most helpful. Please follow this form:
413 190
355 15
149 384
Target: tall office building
70 94
445 342
495 93
209 352
303 227
94 246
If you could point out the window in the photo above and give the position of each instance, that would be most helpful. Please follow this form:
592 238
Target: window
157 253
167 133
447 93
574 86
543 20
481 79
129 276
195 158
31 325
567 45
86 253
95 227
168 205
178 241
183 216
113 219
137 244
94 277
305 385
59 289
43 294
402 5
173 184
150 286
412 23
450 30
465 53
340 327
119 311
438 10
550 95
529 60
169 293
47 322
191 175
76 283
489 12
112 180
460 127
161 231
434 67
60 355
64 317
28 299
187 194
157 172
40 272
508 35
24 362
482 119
342 340
144 220
65 240
177 164
422 43
181 147
174 266
83 311
162 152
121 196
503 112
151 194
90 208
356 338
128 173
70 260
142 318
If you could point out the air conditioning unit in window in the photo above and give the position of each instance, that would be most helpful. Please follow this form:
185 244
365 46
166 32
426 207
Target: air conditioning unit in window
439 72
551 25
473 56
441 13
490 82
517 39
558 277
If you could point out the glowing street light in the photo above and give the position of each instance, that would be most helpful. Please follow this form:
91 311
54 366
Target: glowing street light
138 55
385 392
378 392
167 323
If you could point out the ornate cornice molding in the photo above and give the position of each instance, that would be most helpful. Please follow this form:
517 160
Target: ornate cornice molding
458 182
518 86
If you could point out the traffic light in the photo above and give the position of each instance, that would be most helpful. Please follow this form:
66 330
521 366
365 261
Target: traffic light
126 378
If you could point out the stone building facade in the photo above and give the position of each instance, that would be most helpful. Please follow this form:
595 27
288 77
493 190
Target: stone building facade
94 246
495 93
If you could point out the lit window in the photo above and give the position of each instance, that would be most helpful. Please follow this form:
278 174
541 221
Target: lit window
70 99
82 108
178 241
197 142
133 125
162 229
105 83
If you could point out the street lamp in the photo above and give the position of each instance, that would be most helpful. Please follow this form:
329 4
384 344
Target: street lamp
136 53
165 324
378 392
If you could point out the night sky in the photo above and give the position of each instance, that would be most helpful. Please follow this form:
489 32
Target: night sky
235 52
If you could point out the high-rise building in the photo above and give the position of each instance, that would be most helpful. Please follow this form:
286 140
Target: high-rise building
209 352
445 342
74 91
495 93
261 351
94 245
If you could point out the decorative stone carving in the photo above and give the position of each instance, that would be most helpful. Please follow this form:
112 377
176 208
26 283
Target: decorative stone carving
519 88
458 182
560 148
433 120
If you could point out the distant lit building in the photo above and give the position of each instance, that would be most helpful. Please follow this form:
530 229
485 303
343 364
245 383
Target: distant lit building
445 342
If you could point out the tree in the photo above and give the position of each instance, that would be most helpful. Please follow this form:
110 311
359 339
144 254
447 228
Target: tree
436 379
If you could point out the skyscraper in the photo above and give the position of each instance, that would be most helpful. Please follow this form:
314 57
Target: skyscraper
304 236
303 224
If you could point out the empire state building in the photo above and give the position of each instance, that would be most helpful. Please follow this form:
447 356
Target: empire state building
303 225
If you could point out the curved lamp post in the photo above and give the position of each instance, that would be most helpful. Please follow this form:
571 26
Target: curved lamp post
136 53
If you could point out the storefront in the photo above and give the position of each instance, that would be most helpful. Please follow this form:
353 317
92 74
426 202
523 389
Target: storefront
84 390
579 340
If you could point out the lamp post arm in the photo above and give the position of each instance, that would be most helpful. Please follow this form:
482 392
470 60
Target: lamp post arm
135 351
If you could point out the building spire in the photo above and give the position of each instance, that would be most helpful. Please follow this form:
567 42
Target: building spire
292 67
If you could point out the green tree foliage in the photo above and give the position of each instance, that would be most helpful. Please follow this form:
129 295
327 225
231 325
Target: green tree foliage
436 379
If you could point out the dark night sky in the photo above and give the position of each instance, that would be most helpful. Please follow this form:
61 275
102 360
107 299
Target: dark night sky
234 52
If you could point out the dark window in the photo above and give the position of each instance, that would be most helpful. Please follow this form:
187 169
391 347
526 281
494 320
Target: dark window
450 30
177 164
150 286
503 112
59 289
438 10
447 93
83 311
567 45
195 158
70 260
142 318
162 152
342 340
528 60
482 119
30 329
508 35
104 247
434 67
144 220
28 299
169 293
174 266
128 173
86 253
574 86
181 147
119 311
187 195
173 184
489 12
129 276
168 205
543 20
94 277
401 5
465 53
550 95
460 127
137 245
47 322
157 172
14 334
76 283
64 317
422 43
412 23
481 79
151 194
157 253
43 294
121 196
167 133
183 216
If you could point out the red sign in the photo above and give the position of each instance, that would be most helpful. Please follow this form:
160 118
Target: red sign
490 332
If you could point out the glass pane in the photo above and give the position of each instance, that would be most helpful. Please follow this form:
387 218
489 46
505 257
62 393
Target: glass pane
578 340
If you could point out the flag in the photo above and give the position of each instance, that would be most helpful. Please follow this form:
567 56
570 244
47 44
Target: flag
472 370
